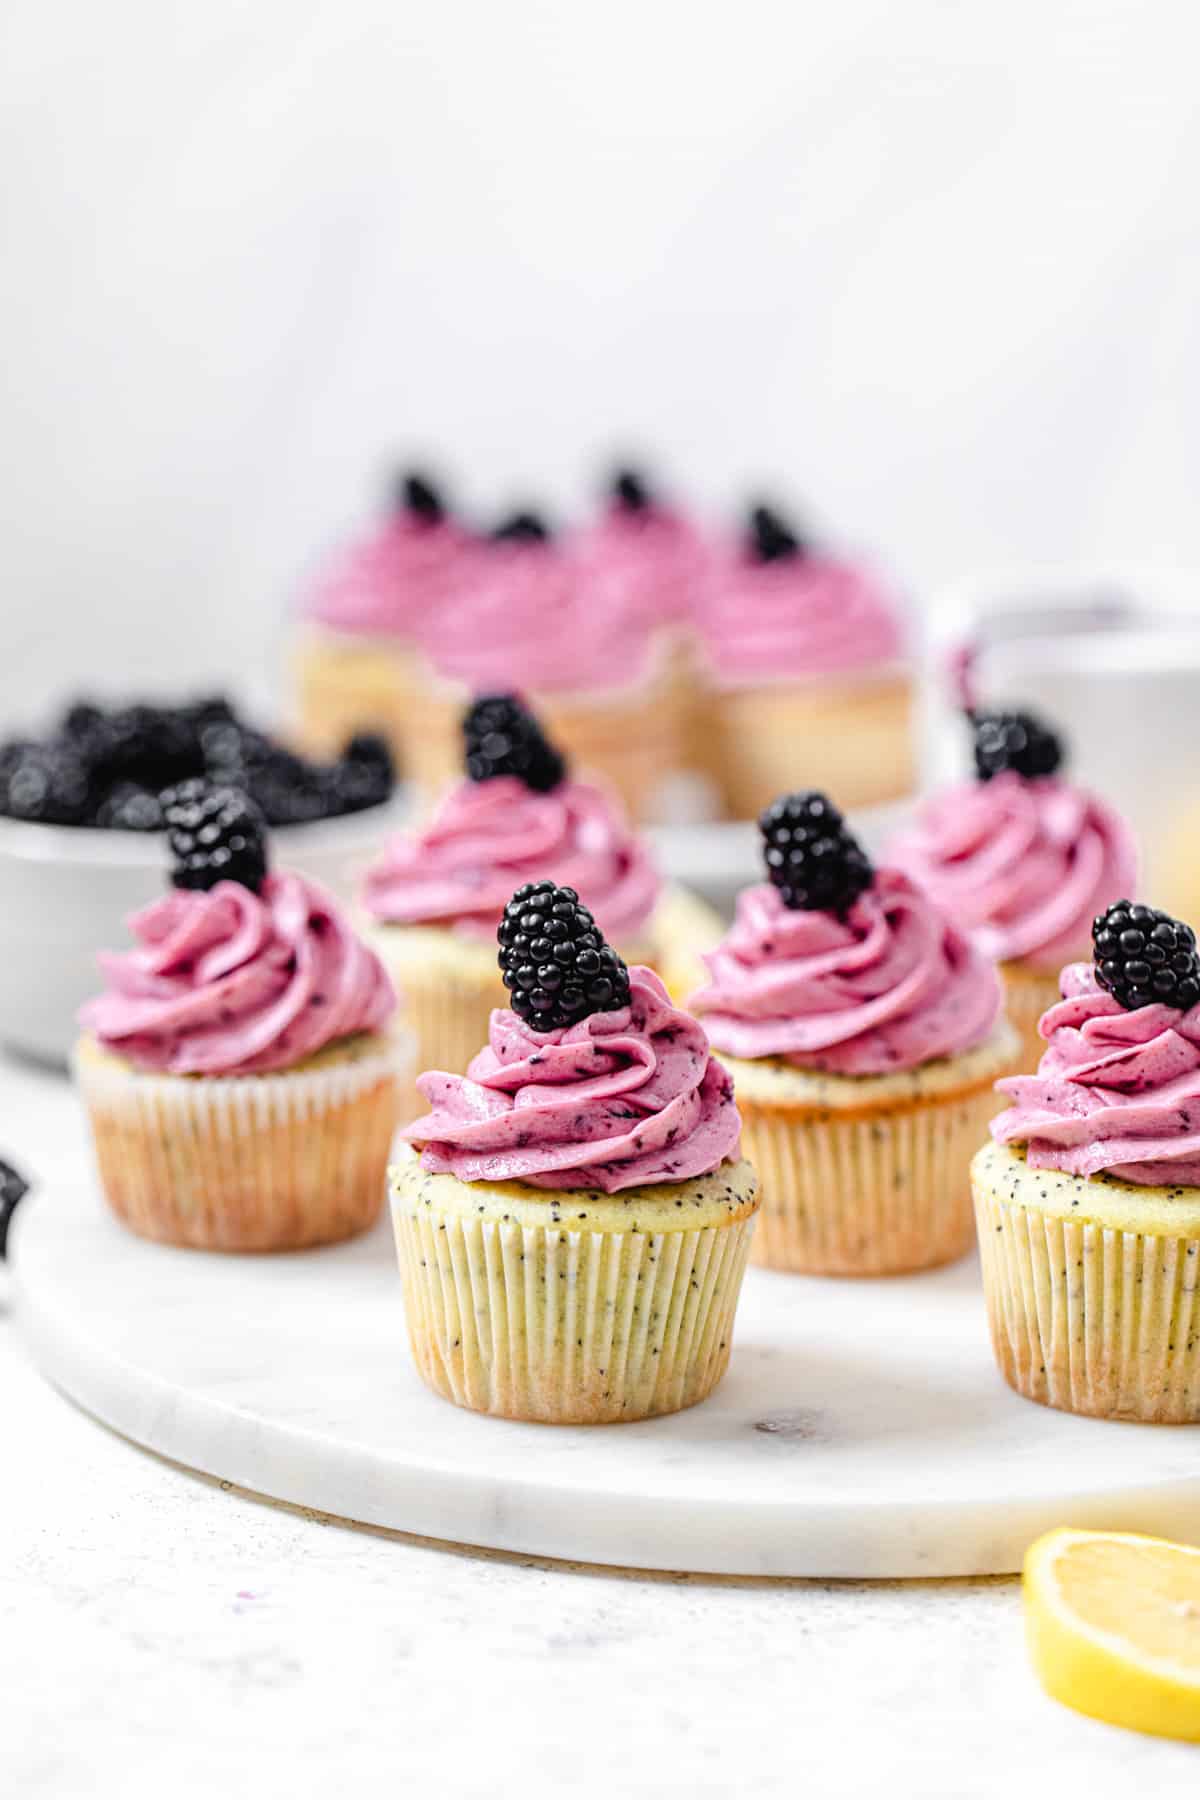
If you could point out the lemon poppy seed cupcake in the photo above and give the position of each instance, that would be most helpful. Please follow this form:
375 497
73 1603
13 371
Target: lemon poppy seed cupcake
1022 859
573 1232
1088 1199
863 1032
238 1071
435 896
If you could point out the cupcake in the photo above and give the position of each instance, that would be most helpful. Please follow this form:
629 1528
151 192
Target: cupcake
863 1031
532 616
236 1071
362 617
1022 859
1088 1199
573 1232
435 896
806 654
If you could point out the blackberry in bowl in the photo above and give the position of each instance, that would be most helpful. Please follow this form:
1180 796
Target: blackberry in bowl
83 836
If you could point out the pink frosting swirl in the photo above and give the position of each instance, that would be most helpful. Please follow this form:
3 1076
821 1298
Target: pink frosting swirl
528 617
800 616
489 837
892 985
617 1101
1116 1092
229 982
386 583
1023 865
651 559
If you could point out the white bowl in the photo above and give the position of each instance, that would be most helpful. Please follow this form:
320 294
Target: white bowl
66 892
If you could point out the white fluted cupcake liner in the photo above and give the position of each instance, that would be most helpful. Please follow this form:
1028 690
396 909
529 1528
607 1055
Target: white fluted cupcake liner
1090 1319
247 1162
568 1326
876 1193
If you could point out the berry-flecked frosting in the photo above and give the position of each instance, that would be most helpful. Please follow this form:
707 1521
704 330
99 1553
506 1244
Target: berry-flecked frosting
890 985
1023 865
619 1100
807 614
1116 1092
225 981
529 617
387 583
489 837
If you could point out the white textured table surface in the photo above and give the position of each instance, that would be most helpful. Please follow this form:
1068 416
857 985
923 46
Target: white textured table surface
163 1634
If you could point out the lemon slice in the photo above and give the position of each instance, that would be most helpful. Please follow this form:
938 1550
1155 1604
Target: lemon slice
1113 1622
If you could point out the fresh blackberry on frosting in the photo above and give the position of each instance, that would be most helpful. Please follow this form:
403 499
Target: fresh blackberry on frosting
214 834
554 960
521 528
503 738
1016 741
419 497
810 856
771 538
631 491
1144 957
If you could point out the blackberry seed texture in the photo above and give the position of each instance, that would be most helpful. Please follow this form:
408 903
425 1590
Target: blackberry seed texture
13 1189
1014 740
521 528
771 538
1144 957
502 737
214 834
817 865
554 960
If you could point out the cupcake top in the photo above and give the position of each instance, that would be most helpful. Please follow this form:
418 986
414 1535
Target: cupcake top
384 583
527 616
1020 857
836 967
593 1079
774 608
644 554
237 971
1117 1090
517 816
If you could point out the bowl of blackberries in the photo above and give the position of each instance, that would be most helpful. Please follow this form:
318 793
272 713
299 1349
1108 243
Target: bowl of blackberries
82 844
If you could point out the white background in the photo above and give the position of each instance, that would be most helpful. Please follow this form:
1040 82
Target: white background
933 268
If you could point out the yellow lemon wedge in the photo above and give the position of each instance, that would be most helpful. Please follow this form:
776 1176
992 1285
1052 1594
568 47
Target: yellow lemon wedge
1113 1622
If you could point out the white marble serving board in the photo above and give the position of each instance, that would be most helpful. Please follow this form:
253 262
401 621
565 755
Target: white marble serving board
861 1431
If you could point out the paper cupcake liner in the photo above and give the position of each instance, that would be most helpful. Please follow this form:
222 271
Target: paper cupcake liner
1028 993
855 739
568 1327
251 1162
875 1193
1090 1319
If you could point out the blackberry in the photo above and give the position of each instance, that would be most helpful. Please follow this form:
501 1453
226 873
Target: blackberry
1016 741
13 1189
503 738
631 491
521 528
771 539
414 493
1144 957
128 807
47 784
364 775
214 833
817 865
554 960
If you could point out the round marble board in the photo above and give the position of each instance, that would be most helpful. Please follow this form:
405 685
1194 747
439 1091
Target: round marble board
861 1430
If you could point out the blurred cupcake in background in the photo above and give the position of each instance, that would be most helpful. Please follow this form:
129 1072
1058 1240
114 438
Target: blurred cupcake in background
530 618
238 1072
806 653
435 896
573 1223
864 1033
1022 859
1088 1200
363 614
